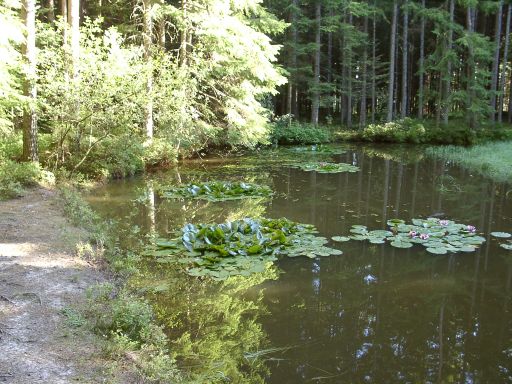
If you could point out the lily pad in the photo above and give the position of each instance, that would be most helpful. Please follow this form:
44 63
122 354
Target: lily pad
438 251
401 244
340 239
239 247
501 235
508 247
323 167
217 191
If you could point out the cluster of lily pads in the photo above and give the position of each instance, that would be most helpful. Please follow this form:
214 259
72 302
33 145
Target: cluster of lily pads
504 235
437 236
323 167
217 191
239 247
318 149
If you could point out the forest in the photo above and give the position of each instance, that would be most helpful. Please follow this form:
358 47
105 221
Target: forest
106 89
255 191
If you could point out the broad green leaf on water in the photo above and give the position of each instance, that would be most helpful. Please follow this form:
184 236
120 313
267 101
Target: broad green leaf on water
240 247
501 235
508 247
401 244
340 239
217 191
439 236
438 251
323 167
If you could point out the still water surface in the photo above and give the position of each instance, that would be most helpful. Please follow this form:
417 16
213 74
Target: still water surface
376 314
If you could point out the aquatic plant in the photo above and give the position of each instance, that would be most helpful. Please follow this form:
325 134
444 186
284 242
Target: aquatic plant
437 236
240 247
318 149
217 191
323 167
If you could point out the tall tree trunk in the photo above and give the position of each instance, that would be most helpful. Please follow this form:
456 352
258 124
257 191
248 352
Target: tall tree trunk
421 63
374 62
183 36
74 21
291 104
470 21
30 151
315 102
329 59
405 60
504 65
349 78
496 60
64 12
147 42
362 114
448 75
391 84
50 4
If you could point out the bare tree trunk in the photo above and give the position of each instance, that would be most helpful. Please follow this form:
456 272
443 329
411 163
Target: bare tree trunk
362 114
421 63
30 151
374 63
64 12
294 102
504 66
74 21
147 42
183 36
448 75
315 102
470 21
329 59
51 11
496 60
391 84
405 60
349 79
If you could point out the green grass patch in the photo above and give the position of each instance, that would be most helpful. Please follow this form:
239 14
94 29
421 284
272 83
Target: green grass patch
493 160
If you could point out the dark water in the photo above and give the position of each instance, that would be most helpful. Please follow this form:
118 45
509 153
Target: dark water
376 314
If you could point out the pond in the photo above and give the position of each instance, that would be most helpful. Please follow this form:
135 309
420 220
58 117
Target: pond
375 314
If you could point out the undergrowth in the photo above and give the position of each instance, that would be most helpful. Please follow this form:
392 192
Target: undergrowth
126 321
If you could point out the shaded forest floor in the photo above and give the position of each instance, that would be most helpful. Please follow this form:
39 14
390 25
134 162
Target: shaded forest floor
42 282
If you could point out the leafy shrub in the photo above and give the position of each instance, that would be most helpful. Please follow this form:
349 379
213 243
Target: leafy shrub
285 131
403 131
160 153
15 176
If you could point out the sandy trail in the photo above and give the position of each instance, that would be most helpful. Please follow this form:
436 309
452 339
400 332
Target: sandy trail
40 275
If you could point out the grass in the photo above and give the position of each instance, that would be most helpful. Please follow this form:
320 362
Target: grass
491 159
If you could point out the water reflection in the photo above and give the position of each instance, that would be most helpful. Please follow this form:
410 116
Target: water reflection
374 315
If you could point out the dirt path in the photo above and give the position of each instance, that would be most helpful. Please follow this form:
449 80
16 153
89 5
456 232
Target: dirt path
40 279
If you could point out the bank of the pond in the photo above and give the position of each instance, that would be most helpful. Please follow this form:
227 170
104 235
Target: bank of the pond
490 159
43 334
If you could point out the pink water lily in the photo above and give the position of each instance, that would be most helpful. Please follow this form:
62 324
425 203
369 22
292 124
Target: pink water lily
424 236
471 228
413 234
444 222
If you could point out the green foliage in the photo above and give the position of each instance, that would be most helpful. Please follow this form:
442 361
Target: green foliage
74 317
11 99
239 247
217 191
323 167
437 236
286 131
15 176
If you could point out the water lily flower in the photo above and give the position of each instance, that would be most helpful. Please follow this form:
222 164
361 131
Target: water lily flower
471 229
444 222
424 236
413 234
